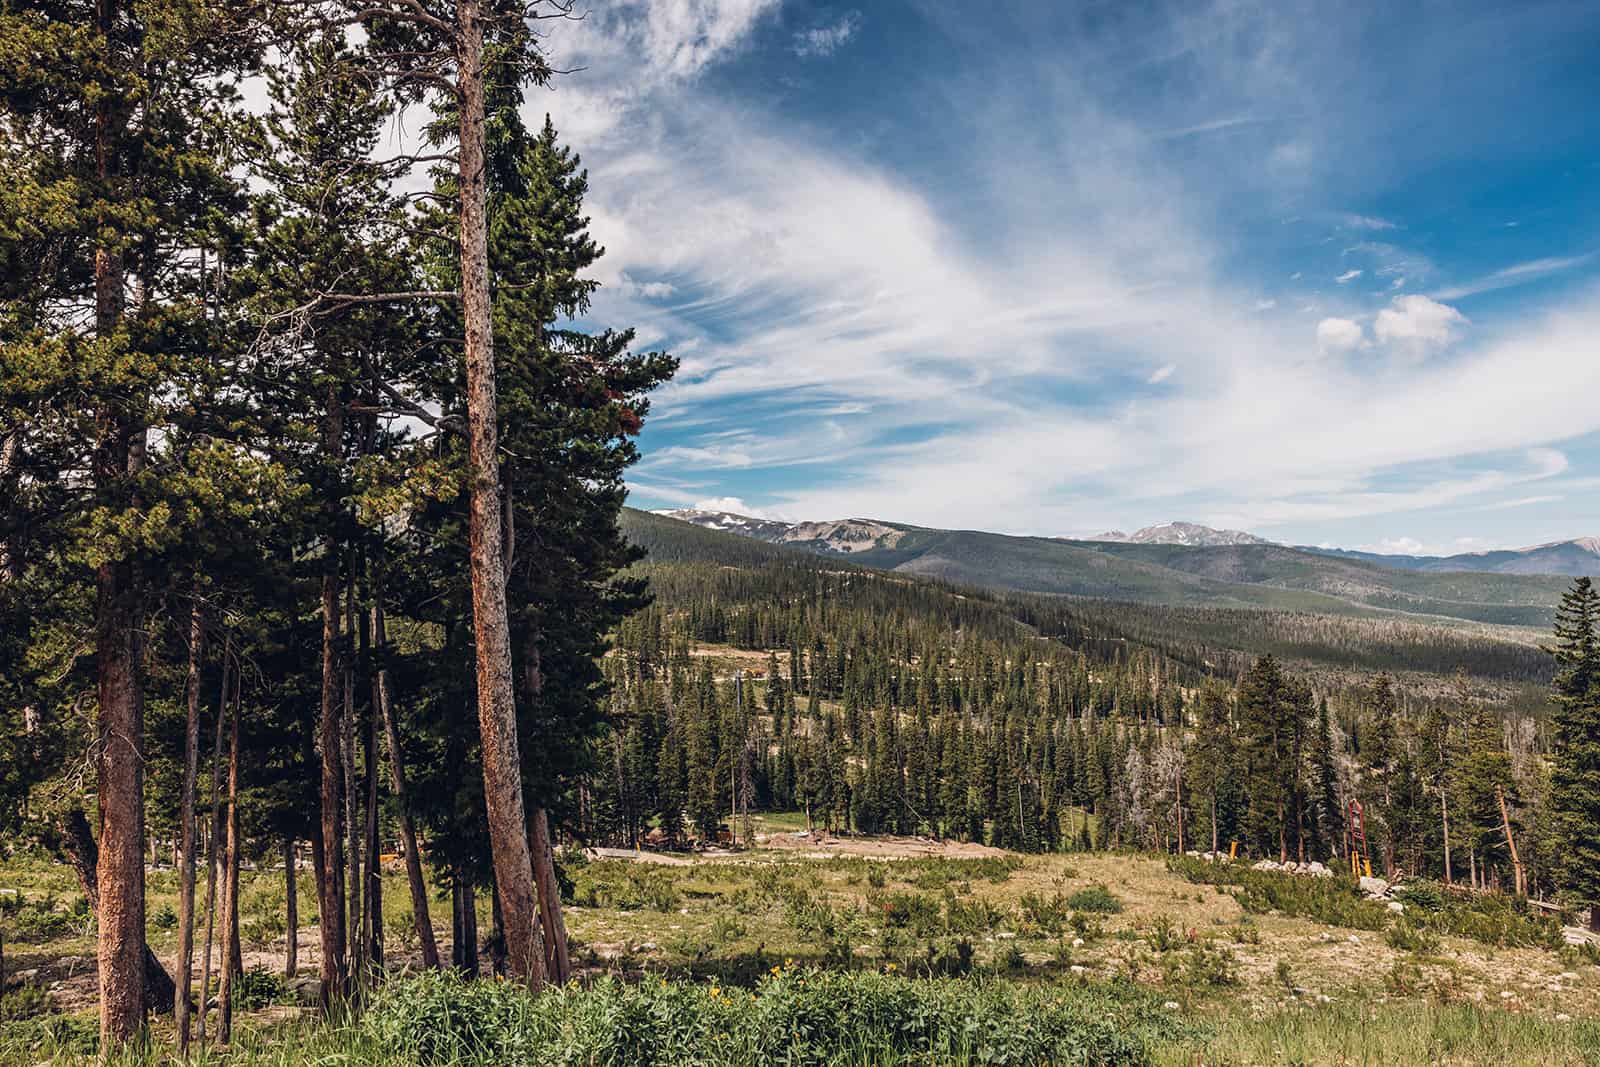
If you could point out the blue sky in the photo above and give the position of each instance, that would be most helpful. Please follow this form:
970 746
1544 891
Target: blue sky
1327 272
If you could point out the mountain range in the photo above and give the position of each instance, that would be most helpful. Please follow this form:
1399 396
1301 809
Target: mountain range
1580 555
1187 564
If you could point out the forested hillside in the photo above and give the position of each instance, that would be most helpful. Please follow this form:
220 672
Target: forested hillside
878 701
1262 575
1339 650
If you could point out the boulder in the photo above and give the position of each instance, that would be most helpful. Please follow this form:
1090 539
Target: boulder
1374 887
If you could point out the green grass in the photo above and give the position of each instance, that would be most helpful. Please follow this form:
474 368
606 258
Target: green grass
1360 1032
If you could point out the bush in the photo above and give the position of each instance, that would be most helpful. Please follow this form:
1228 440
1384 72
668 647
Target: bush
792 1017
936 873
1096 898
1049 914
1495 919
164 918
906 911
1336 901
23 1002
258 987
624 886
1424 895
1408 936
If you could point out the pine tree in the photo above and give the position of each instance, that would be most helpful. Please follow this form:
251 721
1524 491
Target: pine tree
1575 756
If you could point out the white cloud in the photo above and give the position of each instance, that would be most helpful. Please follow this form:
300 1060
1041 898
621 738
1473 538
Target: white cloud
733 504
813 276
1396 546
1418 322
1338 335
828 39
1162 374
1367 222
1348 276
1518 274
1266 305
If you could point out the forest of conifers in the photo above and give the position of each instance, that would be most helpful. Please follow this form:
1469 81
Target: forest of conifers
312 471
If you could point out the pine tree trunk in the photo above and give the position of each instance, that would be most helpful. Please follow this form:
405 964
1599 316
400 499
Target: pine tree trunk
84 856
215 838
1444 818
1521 880
464 947
397 775
120 948
355 946
291 910
557 957
497 720
330 884
372 913
191 761
230 893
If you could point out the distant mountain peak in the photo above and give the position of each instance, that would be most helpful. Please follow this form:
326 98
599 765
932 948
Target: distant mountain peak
1183 533
843 536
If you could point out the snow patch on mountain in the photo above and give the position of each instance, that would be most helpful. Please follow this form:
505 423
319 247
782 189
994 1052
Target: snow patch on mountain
1183 533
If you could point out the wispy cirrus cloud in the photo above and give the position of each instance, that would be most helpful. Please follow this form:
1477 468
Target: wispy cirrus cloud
1518 274
826 39
968 339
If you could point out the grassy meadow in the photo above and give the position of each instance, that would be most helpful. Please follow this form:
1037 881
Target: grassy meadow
809 951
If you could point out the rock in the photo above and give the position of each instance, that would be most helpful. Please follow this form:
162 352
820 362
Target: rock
1506 994
1077 942
1563 1017
1172 1005
1005 935
306 992
1568 976
1078 968
1375 887
1396 907
29 975
1314 867
1323 998
1353 939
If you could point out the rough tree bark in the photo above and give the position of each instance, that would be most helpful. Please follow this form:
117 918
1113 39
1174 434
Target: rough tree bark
330 881
497 721
464 922
120 948
84 856
191 761
354 944
230 891
558 961
397 775
372 912
215 838
291 911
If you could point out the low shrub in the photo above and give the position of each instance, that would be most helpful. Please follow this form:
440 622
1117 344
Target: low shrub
624 886
23 1002
1049 914
1336 901
1407 936
792 1017
937 872
258 987
1097 899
